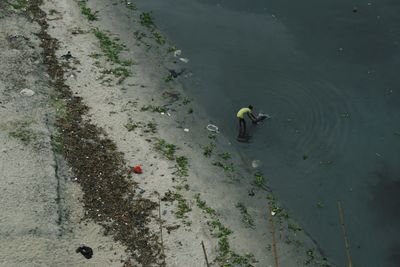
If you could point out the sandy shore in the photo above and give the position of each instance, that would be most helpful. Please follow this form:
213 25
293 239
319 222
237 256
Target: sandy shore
68 150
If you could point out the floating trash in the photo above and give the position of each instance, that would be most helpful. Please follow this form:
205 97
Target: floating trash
184 60
186 130
177 53
212 128
256 163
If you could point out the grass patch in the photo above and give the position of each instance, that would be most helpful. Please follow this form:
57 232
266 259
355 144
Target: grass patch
166 149
19 4
203 205
152 108
182 164
87 11
320 204
159 38
259 179
280 213
57 143
151 127
212 136
294 227
226 256
225 166
146 19
207 150
120 72
225 155
110 48
246 217
186 101
168 77
22 132
183 206
172 49
131 126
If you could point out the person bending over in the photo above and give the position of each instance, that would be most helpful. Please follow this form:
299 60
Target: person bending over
242 122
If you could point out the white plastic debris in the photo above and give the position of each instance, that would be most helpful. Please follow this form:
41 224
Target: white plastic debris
255 163
162 113
177 53
184 60
212 128
186 130
27 92
273 213
169 114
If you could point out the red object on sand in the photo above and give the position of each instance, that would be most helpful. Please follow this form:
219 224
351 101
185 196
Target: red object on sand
137 169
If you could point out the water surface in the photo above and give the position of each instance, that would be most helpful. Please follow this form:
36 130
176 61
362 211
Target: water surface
328 72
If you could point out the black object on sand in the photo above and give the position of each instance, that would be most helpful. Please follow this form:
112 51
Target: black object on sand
87 252
67 56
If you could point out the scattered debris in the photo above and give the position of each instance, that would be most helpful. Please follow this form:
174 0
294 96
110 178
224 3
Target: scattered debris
186 130
87 252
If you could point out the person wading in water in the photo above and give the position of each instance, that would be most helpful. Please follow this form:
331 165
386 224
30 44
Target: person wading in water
242 122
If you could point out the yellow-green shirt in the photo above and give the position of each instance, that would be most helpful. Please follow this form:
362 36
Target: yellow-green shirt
243 111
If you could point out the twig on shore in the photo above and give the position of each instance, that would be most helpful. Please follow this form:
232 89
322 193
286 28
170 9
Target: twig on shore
346 242
273 237
205 253
160 221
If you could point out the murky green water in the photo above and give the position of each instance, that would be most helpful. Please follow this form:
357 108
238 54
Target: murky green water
328 73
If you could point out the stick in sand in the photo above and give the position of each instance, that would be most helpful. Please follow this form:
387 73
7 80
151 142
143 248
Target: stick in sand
273 237
346 242
161 236
205 253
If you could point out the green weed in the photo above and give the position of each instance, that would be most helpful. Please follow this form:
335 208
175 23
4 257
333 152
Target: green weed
186 101
225 155
172 49
152 127
131 126
166 149
259 179
22 132
87 11
168 77
203 205
146 19
57 143
110 48
152 108
226 167
294 227
183 206
208 149
246 217
159 38
182 165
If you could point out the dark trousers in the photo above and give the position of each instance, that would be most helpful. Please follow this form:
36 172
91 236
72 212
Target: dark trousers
242 128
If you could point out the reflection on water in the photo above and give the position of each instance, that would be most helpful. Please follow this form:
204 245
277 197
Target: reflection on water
329 76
